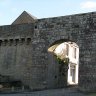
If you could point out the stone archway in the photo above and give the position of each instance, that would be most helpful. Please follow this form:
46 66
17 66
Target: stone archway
67 49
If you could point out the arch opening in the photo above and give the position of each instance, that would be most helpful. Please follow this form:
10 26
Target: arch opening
70 50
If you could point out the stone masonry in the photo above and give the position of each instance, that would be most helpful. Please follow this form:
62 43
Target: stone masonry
24 52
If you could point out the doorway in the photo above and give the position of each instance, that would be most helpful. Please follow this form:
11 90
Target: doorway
68 50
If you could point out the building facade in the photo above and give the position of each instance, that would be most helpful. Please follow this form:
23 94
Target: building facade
26 47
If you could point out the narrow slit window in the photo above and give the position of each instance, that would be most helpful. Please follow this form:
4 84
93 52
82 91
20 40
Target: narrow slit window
16 41
35 26
22 40
28 40
5 42
0 42
10 41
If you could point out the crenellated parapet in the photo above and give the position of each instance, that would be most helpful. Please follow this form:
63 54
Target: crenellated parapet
17 41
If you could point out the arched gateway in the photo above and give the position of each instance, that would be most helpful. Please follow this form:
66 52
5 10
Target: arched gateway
25 56
70 50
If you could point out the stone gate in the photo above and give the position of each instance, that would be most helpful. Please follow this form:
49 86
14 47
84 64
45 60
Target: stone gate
24 47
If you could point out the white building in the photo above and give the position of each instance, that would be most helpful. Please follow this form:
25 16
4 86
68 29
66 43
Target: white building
71 51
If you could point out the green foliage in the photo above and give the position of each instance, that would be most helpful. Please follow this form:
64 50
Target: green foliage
63 61
66 61
60 61
63 68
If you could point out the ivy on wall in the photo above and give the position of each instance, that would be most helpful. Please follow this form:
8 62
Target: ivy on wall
63 65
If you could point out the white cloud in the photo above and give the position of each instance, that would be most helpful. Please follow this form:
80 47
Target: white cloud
88 5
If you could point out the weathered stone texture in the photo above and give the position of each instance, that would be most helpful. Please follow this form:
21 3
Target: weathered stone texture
29 61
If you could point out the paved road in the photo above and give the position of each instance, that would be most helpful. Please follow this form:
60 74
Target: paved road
52 92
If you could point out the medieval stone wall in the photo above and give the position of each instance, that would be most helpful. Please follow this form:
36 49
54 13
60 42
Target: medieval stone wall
15 52
80 29
29 59
21 55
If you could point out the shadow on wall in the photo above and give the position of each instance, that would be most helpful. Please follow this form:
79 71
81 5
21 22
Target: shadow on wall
7 84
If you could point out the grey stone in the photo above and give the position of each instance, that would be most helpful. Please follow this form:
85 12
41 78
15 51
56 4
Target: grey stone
25 57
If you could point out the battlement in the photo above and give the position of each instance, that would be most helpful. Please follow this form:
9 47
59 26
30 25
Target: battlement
14 42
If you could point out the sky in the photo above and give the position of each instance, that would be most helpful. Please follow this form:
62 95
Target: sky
11 9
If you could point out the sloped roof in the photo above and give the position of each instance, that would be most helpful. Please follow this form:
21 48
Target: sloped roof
24 18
